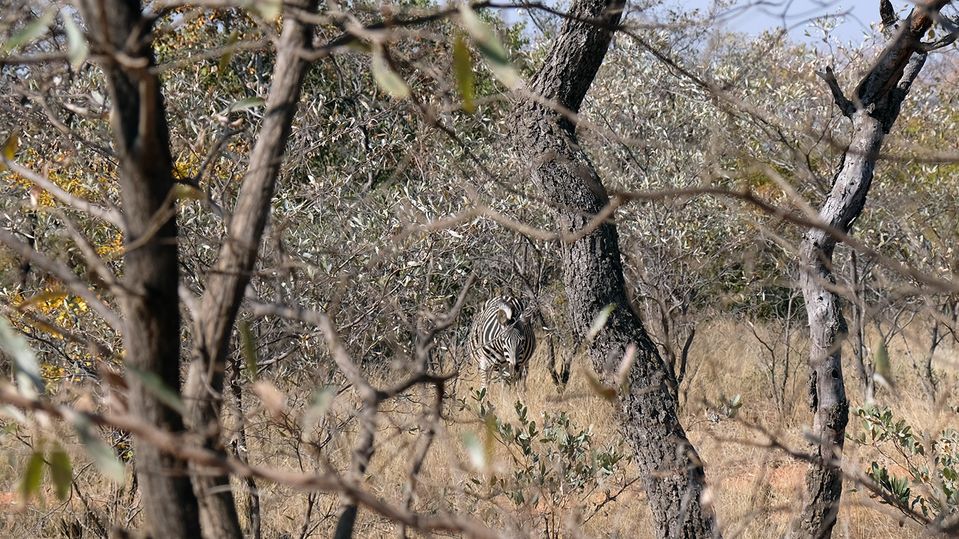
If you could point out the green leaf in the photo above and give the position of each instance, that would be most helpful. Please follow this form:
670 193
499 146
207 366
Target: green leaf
599 322
481 452
387 79
490 46
61 471
25 365
244 104
883 373
268 9
102 455
736 402
28 33
224 62
320 403
185 191
949 473
32 476
358 45
463 69
156 387
249 350
474 448
77 48
10 147
485 39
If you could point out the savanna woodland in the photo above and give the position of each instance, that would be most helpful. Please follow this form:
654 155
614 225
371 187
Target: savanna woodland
588 268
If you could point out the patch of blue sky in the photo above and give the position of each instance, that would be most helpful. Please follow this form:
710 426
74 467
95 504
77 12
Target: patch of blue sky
805 20
849 22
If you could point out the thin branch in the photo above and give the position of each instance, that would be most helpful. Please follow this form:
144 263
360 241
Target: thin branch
940 43
111 216
773 442
181 447
429 423
845 105
63 274
43 323
91 257
618 199
340 355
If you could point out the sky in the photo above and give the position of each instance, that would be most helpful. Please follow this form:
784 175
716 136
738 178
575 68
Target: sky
756 16
851 19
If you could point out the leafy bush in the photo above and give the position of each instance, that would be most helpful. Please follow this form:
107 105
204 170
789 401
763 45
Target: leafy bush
930 461
555 466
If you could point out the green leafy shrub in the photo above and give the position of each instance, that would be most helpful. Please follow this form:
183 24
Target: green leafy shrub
930 460
555 466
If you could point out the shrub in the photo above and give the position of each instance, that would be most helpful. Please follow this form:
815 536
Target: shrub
930 460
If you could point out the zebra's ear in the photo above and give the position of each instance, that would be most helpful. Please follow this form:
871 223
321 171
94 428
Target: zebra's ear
503 315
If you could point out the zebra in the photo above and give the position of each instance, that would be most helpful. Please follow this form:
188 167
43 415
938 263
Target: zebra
501 339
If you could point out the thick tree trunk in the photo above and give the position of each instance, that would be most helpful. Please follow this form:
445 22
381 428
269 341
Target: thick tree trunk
827 330
231 273
151 314
593 271
873 111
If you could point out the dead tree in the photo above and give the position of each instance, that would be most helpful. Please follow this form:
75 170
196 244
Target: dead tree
545 133
872 110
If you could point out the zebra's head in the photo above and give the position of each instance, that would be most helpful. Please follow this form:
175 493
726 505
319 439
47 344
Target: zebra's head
509 309
502 338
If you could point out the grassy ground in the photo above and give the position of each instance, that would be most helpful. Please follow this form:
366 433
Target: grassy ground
755 489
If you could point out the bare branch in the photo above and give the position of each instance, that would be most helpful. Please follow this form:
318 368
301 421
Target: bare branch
181 447
63 274
845 105
618 198
111 216
97 347
428 427
940 43
91 257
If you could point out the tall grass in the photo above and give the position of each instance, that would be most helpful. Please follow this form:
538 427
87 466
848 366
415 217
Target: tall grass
755 489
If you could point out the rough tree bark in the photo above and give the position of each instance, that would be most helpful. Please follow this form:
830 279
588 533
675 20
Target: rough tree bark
150 306
228 278
873 110
593 272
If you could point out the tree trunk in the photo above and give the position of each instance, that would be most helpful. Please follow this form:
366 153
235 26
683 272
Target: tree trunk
863 365
593 270
228 279
241 450
151 315
359 462
874 110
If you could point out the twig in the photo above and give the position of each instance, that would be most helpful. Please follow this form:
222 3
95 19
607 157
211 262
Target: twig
182 448
45 324
65 275
429 423
111 216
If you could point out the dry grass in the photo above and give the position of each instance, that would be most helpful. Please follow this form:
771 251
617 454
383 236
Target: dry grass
756 490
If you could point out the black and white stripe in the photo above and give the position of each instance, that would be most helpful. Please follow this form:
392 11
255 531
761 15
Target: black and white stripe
502 340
